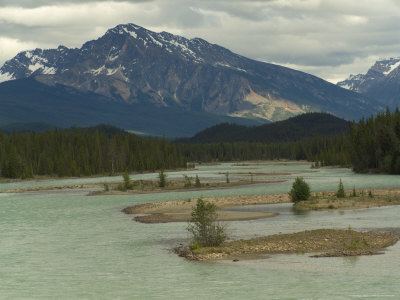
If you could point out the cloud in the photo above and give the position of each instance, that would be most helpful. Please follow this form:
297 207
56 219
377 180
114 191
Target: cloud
328 38
9 44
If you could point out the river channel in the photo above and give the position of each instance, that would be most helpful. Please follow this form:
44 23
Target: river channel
63 244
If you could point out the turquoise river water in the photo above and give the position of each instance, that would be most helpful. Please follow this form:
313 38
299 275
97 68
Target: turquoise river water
66 245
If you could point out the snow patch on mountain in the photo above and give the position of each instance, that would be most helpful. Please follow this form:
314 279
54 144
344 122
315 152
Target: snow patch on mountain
392 67
6 76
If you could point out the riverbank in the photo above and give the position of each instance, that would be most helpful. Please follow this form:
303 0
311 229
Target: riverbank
319 242
180 210
360 199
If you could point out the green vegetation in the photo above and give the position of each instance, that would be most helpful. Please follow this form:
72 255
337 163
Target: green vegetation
162 179
358 199
197 182
205 230
81 153
187 180
340 192
300 190
371 145
126 185
327 151
375 143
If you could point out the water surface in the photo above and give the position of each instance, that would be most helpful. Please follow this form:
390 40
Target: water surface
66 245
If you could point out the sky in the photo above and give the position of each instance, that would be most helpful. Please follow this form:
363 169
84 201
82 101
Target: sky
327 38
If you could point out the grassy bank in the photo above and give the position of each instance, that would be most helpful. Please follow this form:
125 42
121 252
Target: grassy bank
355 199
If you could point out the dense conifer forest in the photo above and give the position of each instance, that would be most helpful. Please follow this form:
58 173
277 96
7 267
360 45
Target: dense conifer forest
372 145
78 152
375 143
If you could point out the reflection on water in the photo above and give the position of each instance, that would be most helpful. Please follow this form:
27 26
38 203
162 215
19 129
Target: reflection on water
66 245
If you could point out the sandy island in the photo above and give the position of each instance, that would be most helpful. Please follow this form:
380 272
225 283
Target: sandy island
180 210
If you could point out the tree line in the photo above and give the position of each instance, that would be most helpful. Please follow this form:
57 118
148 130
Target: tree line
323 150
375 143
82 153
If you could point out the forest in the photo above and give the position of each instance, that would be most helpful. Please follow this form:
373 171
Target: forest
371 145
77 152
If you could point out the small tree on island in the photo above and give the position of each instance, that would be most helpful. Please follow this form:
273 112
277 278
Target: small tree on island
162 179
300 190
340 192
203 226
197 182
127 181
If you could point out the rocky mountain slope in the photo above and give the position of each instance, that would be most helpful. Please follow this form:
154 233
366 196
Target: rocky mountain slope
381 82
132 65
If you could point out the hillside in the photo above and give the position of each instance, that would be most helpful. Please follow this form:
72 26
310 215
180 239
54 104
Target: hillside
295 128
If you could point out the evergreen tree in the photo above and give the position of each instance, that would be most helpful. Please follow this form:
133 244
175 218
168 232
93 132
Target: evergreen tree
300 190
340 192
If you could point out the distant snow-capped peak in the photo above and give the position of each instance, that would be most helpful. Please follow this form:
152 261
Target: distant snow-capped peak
381 69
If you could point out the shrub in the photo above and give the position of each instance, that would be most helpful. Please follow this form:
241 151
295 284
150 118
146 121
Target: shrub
300 190
340 192
206 231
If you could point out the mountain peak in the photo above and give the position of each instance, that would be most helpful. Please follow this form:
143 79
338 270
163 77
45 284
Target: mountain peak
381 82
382 68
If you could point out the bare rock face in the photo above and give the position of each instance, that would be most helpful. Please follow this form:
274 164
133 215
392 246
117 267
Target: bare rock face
134 65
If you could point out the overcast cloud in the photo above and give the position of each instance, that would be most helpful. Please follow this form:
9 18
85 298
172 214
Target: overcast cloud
327 38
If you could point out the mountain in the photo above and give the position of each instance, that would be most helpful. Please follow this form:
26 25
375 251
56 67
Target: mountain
295 128
381 82
130 64
26 127
28 100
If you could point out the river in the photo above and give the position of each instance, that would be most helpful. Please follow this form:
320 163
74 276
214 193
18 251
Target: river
64 244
